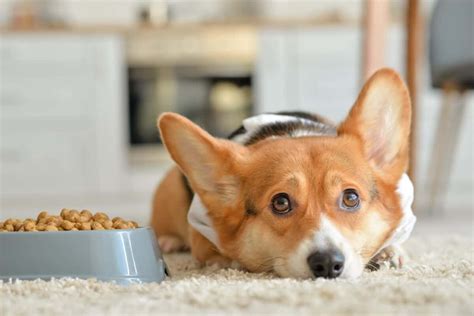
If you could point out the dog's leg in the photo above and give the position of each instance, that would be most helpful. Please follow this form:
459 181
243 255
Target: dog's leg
170 208
170 243
206 253
391 257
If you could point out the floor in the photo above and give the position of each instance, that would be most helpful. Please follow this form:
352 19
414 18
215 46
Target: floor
439 279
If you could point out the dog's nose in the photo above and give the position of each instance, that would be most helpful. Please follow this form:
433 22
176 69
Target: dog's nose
326 264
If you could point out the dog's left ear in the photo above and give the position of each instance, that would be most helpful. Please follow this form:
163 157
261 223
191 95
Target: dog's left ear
381 119
210 164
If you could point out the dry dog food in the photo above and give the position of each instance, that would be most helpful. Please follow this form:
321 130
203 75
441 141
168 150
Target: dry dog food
66 220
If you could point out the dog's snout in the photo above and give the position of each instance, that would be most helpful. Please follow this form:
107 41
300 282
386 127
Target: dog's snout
326 264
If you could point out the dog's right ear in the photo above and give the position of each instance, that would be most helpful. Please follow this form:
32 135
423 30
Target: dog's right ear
208 163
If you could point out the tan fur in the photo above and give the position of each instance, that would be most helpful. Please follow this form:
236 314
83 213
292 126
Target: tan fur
170 208
313 171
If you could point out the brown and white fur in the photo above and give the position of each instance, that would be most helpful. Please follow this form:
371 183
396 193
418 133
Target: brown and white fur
237 184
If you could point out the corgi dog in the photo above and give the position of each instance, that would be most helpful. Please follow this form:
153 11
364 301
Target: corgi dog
293 193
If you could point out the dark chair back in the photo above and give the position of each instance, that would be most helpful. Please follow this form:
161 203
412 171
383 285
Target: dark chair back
452 43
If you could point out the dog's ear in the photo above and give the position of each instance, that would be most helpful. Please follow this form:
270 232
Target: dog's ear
207 162
381 119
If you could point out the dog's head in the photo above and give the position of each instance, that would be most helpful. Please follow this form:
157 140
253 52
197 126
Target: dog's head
309 206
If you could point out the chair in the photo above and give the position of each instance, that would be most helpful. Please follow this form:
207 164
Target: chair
452 70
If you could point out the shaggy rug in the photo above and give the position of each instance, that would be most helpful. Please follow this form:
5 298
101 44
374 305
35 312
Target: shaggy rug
438 280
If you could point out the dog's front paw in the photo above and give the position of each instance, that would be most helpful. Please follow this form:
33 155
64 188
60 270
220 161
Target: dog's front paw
390 257
170 243
222 262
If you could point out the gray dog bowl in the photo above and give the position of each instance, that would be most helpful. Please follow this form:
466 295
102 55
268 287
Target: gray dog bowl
124 256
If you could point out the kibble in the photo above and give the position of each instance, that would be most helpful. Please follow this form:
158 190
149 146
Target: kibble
107 224
68 220
73 216
42 214
40 227
99 215
17 225
67 225
85 226
97 226
29 226
64 212
51 228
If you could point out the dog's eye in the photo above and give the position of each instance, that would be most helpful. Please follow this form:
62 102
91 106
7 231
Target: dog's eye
350 200
281 204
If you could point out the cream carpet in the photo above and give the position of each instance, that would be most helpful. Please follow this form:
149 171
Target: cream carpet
438 280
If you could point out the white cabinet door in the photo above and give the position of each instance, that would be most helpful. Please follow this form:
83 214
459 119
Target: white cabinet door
62 114
43 161
45 76
309 69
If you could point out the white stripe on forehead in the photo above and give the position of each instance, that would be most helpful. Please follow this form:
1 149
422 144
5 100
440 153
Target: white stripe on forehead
252 126
255 122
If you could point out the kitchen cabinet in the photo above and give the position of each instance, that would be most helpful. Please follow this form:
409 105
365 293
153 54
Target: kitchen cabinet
62 113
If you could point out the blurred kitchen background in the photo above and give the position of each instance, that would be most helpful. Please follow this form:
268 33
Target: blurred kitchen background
82 83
